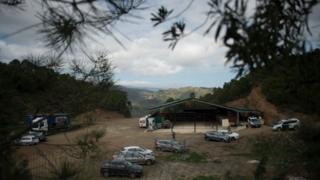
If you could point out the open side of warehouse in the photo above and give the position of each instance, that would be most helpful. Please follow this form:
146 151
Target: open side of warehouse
198 113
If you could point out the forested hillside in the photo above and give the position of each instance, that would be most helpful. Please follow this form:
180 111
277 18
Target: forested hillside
291 84
27 88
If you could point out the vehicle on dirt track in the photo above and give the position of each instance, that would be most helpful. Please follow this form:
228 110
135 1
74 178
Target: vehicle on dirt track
48 123
120 168
137 149
28 140
143 121
233 135
290 124
40 135
217 136
136 157
170 145
254 122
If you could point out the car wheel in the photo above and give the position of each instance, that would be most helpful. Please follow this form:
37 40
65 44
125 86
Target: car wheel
233 139
132 175
278 129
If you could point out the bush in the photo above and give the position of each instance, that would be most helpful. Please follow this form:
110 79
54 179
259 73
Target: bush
65 171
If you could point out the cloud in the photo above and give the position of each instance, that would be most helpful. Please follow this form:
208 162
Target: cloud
11 51
135 83
151 56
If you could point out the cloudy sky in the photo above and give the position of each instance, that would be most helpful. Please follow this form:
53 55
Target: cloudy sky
145 61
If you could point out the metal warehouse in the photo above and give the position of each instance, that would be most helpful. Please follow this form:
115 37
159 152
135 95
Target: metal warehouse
195 111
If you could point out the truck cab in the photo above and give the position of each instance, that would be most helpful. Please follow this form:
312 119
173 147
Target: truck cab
45 123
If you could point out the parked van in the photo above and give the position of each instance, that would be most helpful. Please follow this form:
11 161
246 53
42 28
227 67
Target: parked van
143 121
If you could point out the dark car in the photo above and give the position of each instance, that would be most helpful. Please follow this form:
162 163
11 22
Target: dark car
136 157
217 136
120 168
169 145
40 135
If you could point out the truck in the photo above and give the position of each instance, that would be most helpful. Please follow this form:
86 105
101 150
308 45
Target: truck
48 123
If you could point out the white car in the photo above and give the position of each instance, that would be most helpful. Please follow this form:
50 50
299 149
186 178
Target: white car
28 140
232 135
292 123
137 149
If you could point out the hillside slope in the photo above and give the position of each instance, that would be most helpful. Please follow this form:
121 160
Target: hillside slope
257 100
179 93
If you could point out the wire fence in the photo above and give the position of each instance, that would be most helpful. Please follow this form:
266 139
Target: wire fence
54 165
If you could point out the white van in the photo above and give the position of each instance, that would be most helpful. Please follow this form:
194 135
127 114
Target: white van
143 121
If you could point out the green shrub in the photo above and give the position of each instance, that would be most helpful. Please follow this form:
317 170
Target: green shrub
191 157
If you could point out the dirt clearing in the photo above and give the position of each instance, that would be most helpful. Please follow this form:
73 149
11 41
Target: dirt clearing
221 158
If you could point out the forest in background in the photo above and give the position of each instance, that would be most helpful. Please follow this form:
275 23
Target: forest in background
27 88
291 84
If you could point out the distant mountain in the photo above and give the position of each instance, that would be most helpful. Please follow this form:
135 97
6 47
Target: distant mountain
179 93
141 99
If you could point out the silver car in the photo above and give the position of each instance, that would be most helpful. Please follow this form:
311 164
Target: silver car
135 157
217 136
28 140
169 145
138 149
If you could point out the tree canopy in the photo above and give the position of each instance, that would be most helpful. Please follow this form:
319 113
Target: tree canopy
275 30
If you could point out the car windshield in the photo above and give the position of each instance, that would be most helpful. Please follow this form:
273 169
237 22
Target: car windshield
255 120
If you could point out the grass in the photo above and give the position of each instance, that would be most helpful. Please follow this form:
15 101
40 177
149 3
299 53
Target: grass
190 157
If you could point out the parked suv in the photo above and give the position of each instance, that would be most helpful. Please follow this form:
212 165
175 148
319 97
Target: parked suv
292 123
120 168
217 136
170 145
136 157
254 122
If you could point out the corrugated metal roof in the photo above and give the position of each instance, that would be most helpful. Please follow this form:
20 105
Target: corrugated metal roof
170 104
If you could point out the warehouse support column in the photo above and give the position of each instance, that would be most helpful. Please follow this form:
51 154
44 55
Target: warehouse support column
194 126
238 117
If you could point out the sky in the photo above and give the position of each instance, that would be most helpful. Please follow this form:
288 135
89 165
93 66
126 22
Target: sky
145 61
